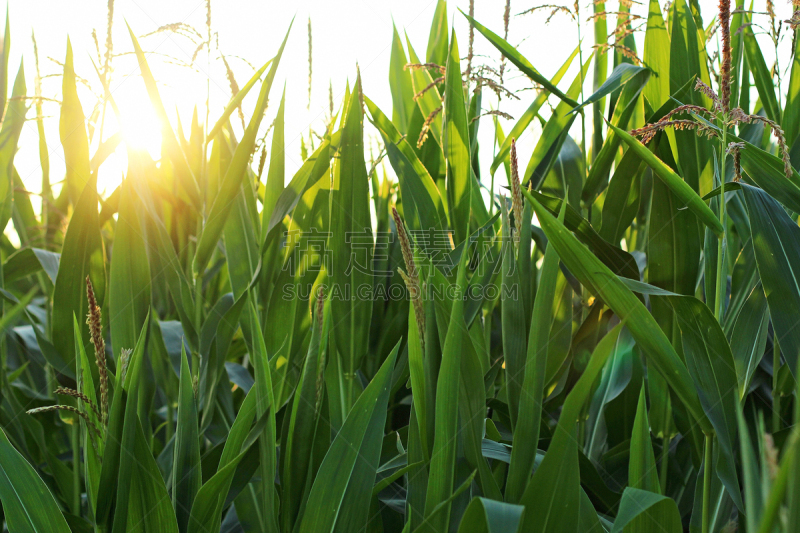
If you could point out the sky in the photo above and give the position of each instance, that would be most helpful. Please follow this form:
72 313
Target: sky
248 33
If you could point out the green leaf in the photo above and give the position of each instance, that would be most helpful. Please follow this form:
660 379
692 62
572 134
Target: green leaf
600 71
234 176
656 56
527 117
642 511
312 170
620 76
10 131
351 245
241 239
676 185
265 406
400 84
142 500
297 444
710 363
738 68
616 376
72 131
93 444
276 173
526 432
693 155
437 37
748 339
27 262
753 496
159 237
621 204
443 458
456 146
129 284
519 60
489 516
416 184
624 108
208 504
472 412
554 133
553 496
236 101
430 100
776 242
337 496
791 113
642 473
416 367
595 276
767 171
617 259
684 58
28 505
673 256
186 473
82 256
5 52
761 75
513 321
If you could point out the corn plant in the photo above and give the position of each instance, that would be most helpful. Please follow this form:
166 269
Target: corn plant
604 343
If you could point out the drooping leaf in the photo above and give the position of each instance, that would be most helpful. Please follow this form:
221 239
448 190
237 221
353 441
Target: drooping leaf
489 516
676 185
513 55
599 280
641 511
775 242
28 505
527 117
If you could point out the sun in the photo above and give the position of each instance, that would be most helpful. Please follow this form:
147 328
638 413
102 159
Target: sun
140 128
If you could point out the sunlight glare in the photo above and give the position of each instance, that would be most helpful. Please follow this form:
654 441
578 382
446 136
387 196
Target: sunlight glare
141 129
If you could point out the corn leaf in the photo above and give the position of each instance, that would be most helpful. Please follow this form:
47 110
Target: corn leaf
237 170
489 516
641 511
599 280
676 185
28 505
555 486
336 491
775 242
186 474
129 279
533 378
82 256
519 61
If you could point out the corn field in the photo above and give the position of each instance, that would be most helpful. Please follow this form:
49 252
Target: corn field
603 339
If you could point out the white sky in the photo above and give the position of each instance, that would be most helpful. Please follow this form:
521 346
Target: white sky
343 33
